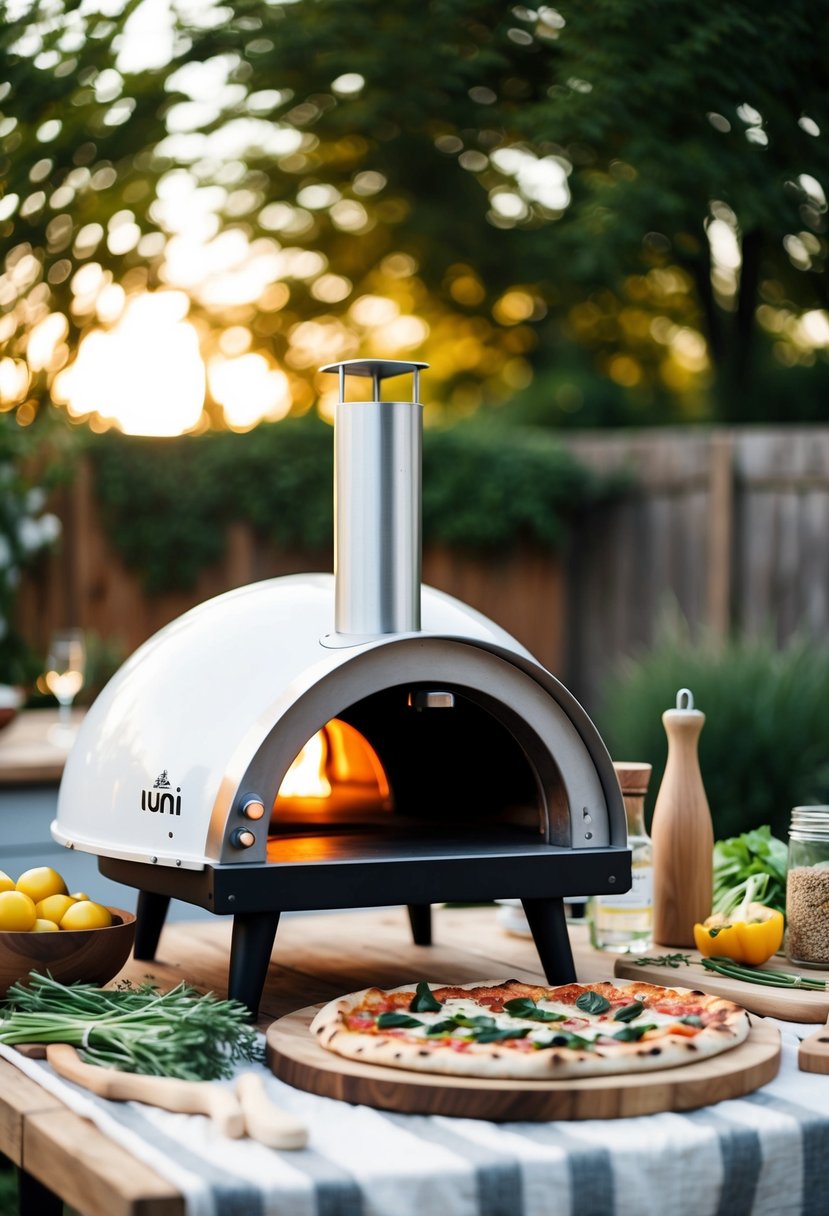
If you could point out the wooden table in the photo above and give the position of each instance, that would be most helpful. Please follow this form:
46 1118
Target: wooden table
27 754
316 957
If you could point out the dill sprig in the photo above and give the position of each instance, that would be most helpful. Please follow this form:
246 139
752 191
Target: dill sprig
136 1028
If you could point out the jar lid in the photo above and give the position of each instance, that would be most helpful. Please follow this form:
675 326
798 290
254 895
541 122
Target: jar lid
810 823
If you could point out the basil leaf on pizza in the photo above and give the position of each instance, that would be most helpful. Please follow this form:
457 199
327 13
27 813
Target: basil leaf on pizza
632 1034
522 1007
423 1001
628 1012
388 1021
592 1002
514 1030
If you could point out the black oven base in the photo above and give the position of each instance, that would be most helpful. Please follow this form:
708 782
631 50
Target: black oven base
255 895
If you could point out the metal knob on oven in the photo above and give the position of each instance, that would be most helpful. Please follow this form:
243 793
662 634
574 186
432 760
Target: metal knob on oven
242 838
252 807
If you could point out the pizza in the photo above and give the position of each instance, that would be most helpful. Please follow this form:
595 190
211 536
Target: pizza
529 1031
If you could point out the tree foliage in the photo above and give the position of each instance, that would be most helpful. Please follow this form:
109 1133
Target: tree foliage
484 186
485 489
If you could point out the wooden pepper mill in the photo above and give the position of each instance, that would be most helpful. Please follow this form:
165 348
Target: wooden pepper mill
682 832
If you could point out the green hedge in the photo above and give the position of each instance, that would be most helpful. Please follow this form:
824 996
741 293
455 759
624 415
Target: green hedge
165 503
763 747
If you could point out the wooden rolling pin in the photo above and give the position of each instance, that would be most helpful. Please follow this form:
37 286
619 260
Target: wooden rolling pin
247 1111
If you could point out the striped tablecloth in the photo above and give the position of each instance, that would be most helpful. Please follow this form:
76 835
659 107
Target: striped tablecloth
766 1154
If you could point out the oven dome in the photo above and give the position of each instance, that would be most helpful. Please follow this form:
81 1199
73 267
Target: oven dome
221 700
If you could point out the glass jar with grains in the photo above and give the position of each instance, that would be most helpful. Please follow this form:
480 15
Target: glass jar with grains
807 887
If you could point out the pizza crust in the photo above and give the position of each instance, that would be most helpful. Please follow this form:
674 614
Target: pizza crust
498 1061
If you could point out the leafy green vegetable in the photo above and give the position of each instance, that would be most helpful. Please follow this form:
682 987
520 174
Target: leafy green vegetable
628 1012
389 1021
523 1007
423 1001
752 855
692 1019
592 1002
182 1033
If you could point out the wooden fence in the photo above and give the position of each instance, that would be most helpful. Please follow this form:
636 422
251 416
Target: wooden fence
729 528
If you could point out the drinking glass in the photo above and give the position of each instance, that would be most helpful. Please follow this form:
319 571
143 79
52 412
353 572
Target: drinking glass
64 677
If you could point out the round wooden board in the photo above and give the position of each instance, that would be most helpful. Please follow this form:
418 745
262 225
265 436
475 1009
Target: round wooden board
295 1057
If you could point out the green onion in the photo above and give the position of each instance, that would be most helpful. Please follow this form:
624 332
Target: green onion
754 975
182 1033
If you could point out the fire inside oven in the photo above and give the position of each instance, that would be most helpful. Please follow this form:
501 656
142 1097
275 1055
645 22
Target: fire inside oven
409 762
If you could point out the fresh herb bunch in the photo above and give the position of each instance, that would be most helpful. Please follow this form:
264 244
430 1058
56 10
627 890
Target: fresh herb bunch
181 1033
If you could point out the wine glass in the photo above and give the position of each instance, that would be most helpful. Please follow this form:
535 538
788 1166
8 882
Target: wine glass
64 677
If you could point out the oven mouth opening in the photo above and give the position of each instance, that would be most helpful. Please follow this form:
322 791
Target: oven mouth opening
409 766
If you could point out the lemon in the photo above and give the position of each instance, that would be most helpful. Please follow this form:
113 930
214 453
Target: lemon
41 882
17 912
76 895
6 883
86 915
45 926
53 907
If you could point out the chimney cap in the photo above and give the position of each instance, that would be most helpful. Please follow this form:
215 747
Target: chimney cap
379 369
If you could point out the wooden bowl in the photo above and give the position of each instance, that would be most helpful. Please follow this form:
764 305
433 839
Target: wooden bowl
92 956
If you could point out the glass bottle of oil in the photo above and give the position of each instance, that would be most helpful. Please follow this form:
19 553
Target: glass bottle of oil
623 923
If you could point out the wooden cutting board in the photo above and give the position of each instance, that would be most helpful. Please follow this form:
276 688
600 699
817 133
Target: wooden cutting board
788 1004
296 1057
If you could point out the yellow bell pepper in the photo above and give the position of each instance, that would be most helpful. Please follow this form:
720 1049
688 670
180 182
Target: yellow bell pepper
751 934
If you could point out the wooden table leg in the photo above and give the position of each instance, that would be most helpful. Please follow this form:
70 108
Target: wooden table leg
35 1199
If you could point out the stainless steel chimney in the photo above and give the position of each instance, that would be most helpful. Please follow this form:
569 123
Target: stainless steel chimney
377 504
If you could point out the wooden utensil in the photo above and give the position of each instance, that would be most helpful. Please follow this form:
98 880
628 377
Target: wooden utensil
264 1121
249 1112
184 1097
813 1054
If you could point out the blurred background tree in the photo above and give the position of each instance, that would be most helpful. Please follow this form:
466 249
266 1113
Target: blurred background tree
599 214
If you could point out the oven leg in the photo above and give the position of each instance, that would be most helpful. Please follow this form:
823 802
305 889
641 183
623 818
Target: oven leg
420 918
552 941
250 954
150 914
35 1199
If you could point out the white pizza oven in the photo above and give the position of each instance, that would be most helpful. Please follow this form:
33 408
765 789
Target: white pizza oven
329 741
